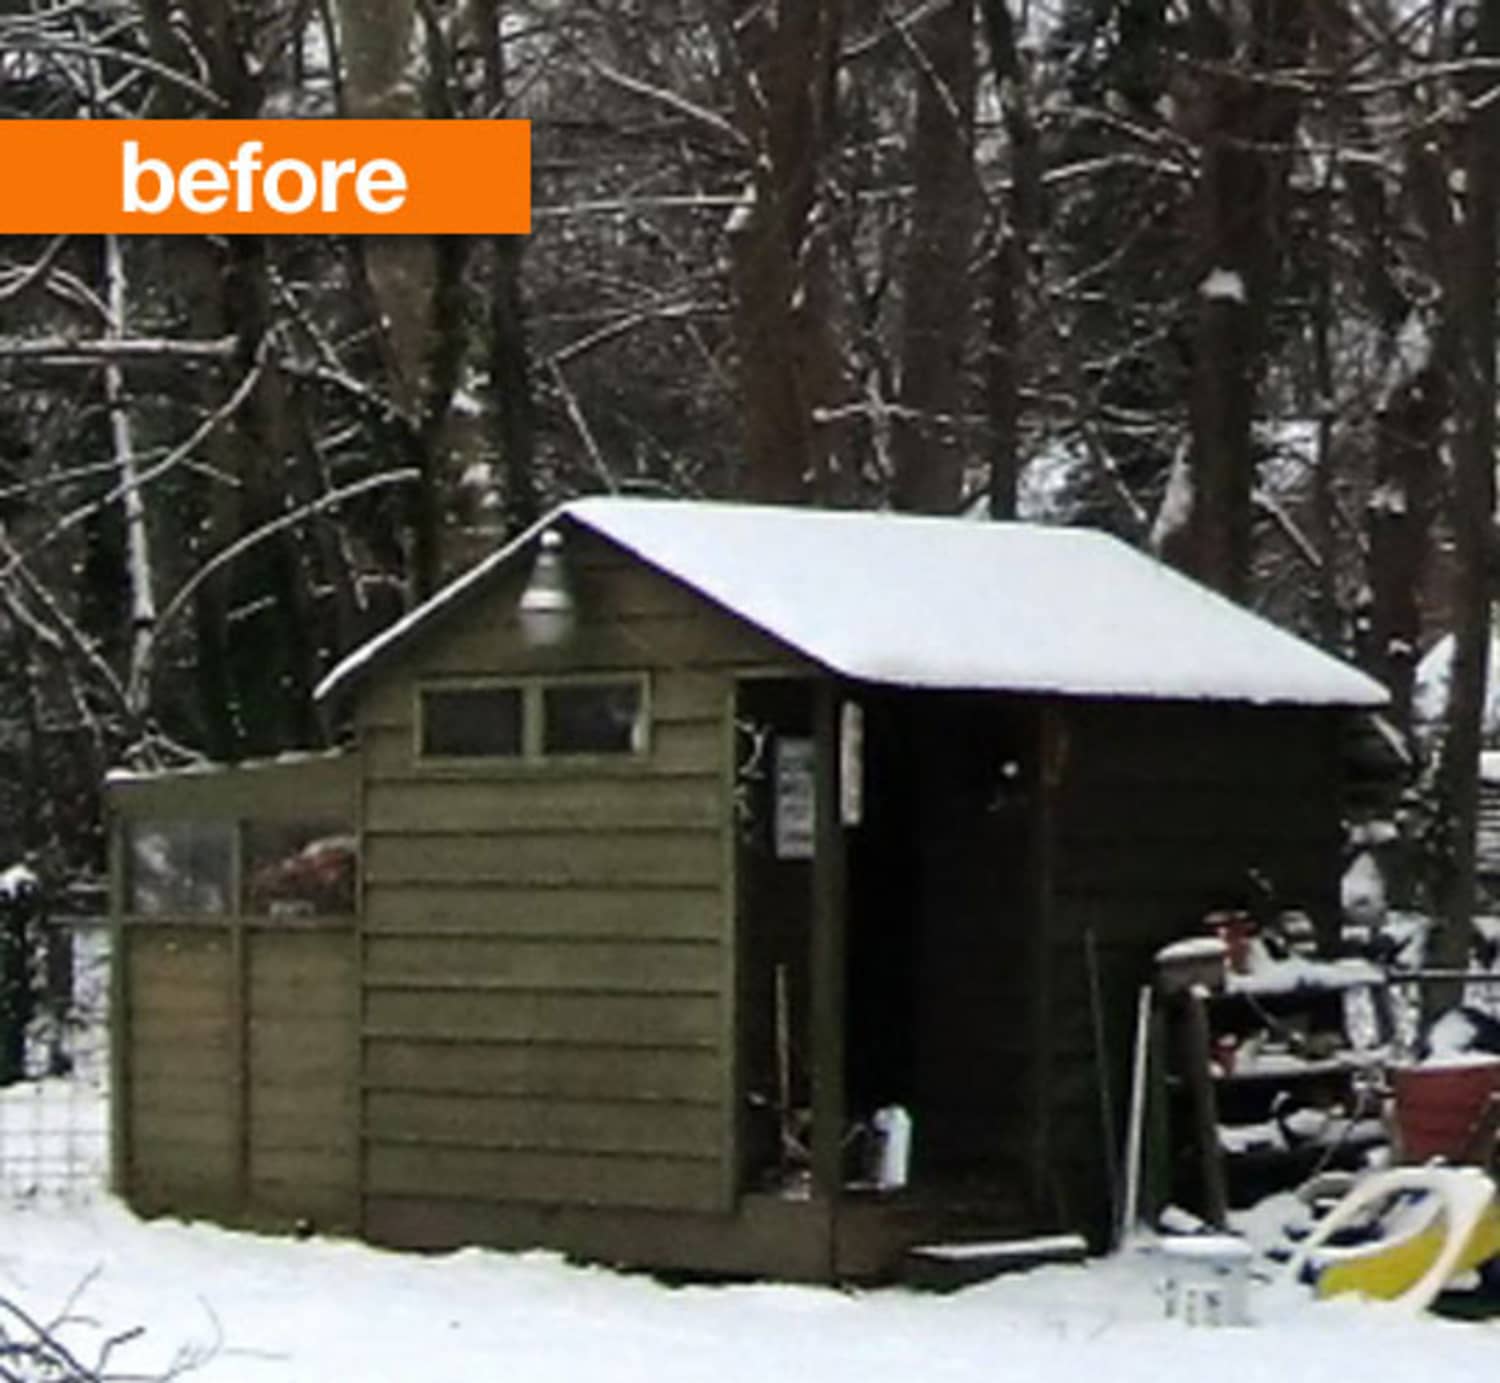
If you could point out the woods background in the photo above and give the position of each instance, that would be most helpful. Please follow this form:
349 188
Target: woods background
1215 274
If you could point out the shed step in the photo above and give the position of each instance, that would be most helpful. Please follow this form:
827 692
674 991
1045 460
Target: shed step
946 1267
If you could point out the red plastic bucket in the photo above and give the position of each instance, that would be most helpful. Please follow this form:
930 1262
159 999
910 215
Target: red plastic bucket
1437 1106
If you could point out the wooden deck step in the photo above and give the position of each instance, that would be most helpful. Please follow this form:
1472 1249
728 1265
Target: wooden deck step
946 1267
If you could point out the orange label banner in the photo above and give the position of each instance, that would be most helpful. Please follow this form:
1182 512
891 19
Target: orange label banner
266 177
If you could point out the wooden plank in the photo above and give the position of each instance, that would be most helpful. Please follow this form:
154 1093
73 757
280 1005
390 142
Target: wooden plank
314 787
545 1178
601 642
829 963
182 1128
574 1126
538 803
294 1171
275 1040
305 1115
516 910
530 1068
174 1063
593 859
626 965
152 1027
604 1019
167 1094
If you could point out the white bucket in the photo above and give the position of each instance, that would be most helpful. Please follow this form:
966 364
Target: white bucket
892 1159
1206 1279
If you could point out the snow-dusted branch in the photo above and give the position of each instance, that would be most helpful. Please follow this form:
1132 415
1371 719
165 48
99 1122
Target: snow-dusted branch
671 100
63 350
406 476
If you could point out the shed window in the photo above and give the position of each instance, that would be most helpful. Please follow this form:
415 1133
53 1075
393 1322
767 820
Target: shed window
593 717
299 869
180 867
471 722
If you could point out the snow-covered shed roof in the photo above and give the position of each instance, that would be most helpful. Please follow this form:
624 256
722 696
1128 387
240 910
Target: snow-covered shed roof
945 603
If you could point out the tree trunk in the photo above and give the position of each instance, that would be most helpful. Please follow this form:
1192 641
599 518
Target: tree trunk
785 60
1240 220
928 438
1472 303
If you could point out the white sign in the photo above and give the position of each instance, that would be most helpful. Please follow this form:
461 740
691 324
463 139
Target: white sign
796 799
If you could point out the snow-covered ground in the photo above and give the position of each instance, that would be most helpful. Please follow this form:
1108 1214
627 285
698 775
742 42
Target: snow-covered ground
331 1312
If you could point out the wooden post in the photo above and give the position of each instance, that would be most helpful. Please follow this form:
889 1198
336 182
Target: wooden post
119 1014
239 1023
1196 1059
828 884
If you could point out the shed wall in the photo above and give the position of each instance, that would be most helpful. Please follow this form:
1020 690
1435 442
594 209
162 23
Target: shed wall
239 1072
547 963
1160 812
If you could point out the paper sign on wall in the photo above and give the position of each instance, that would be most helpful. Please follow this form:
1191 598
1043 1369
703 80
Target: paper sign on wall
796 799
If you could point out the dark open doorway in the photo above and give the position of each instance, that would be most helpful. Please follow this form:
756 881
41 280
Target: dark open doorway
940 892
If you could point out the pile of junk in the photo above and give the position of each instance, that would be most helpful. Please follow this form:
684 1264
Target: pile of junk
1294 1118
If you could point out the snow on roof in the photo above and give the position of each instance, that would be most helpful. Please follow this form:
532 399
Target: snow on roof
946 603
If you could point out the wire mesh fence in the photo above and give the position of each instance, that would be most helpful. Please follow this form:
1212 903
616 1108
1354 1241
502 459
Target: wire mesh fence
54 1108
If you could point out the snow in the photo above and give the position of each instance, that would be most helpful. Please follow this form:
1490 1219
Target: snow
18 881
1362 894
943 603
1192 948
1299 972
1430 693
1223 284
279 1311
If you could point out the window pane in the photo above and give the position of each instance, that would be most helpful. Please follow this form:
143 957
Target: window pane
593 718
301 869
471 722
179 866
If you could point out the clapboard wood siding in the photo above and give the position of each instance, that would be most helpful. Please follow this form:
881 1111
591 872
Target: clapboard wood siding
646 967
546 970
436 1172
632 803
686 859
523 1068
562 914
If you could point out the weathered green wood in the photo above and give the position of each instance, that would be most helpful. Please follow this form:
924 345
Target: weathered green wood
732 1091
120 1027
201 1128
829 964
765 1236
632 966
279 1044
526 1068
542 1178
608 1020
162 1093
545 1124
637 803
516 911
291 1176
310 788
587 859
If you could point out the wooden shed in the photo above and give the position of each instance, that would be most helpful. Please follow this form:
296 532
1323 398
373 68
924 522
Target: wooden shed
689 836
